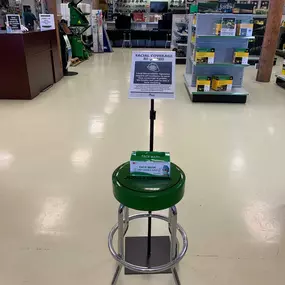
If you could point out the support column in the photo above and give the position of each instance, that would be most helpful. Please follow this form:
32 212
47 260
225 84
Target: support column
52 9
95 4
270 40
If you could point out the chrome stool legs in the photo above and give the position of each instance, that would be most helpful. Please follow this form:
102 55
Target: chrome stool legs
122 227
174 242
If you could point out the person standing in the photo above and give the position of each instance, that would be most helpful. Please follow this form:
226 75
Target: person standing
30 19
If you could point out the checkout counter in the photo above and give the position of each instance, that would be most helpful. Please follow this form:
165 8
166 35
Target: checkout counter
30 63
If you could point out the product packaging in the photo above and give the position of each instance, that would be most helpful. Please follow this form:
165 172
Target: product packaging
283 68
244 29
228 27
150 163
203 83
241 56
193 35
205 55
222 82
194 21
218 27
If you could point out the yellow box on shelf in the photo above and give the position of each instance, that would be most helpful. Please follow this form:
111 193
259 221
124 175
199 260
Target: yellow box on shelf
218 28
241 56
194 21
205 55
244 29
283 68
203 83
222 82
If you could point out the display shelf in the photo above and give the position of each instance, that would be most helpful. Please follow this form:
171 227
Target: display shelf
230 64
223 48
181 45
181 34
225 37
179 39
236 91
254 59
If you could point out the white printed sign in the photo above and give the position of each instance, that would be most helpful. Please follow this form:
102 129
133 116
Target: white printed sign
47 22
13 23
152 75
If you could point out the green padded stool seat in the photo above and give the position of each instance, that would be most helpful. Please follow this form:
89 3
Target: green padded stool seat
148 194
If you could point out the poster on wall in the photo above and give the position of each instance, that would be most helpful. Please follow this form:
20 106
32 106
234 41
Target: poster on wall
13 24
47 22
152 75
264 5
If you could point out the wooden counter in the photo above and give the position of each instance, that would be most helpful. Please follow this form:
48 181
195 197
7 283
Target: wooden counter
29 63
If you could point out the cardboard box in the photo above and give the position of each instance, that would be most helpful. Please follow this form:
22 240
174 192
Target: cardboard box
203 83
205 55
150 164
245 29
222 82
241 56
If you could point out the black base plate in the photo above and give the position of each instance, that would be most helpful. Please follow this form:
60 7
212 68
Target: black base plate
136 252
180 60
280 82
70 73
215 98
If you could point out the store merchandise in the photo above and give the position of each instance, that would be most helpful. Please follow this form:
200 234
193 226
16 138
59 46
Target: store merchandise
205 55
222 82
244 29
179 37
203 83
283 68
241 56
218 27
194 20
150 163
193 34
226 63
228 27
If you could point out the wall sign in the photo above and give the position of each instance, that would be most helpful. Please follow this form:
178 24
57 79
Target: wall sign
47 22
152 75
13 23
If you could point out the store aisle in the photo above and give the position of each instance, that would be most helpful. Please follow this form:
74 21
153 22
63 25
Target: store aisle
58 151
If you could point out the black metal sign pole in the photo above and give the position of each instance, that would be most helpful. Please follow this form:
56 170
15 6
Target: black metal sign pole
152 117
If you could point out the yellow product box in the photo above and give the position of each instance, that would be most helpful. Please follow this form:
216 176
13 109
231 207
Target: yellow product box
241 56
283 68
222 82
244 29
205 55
203 83
194 21
193 35
218 29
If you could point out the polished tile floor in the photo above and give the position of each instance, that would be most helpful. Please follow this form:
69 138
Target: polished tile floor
58 151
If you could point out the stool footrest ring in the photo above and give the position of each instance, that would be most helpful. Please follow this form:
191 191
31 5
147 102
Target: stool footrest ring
155 269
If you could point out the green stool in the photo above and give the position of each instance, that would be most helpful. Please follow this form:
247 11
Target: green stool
147 194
